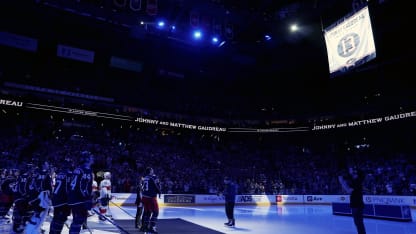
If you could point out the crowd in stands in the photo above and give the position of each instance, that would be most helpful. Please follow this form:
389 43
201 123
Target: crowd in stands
193 162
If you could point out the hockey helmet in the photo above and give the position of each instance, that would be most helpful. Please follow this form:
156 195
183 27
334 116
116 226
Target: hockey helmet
107 175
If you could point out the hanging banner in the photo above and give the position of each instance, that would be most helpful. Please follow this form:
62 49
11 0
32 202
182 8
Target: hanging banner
75 53
350 42
18 41
126 64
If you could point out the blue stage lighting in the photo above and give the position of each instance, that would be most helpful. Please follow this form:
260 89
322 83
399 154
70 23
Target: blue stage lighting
197 34
161 24
222 43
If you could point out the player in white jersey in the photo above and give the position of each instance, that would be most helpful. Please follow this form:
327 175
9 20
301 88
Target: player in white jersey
105 194
95 195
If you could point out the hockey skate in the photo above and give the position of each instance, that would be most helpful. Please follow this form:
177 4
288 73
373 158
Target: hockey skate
4 220
231 223
151 230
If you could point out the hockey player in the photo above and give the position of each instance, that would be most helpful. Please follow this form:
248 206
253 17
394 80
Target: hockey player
80 191
105 195
42 182
151 188
95 195
59 197
95 191
21 210
6 195
138 222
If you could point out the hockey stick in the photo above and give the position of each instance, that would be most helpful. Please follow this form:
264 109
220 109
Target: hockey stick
88 228
111 221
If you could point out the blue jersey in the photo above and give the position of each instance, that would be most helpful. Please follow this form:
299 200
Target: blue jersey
43 181
31 189
60 188
150 186
6 189
80 187
21 187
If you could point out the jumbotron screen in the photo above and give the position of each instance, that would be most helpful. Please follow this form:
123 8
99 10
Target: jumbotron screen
350 42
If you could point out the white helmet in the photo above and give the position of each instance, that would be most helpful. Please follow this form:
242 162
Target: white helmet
107 175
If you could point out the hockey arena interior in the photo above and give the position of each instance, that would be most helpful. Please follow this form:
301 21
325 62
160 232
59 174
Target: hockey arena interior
207 116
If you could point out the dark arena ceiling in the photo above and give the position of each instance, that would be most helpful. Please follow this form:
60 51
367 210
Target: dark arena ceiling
283 74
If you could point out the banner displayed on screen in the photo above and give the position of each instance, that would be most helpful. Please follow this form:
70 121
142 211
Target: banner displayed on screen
18 41
126 64
350 42
73 53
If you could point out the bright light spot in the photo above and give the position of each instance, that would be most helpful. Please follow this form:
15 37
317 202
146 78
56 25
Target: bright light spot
161 24
222 43
294 28
215 40
197 34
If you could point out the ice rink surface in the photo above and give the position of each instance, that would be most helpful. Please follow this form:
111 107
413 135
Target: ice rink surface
288 219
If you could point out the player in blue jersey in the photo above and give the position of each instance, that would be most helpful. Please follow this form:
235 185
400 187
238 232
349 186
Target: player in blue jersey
150 191
6 194
59 197
80 191
40 198
21 192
